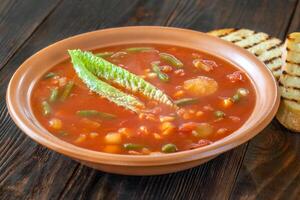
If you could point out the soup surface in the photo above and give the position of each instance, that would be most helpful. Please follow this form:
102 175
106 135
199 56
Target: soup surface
210 98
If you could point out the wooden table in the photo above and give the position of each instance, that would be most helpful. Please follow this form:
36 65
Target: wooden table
267 167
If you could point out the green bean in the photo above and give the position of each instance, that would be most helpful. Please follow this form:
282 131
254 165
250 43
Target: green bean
236 97
95 113
171 60
54 95
186 101
46 108
169 148
219 114
105 54
49 75
162 76
67 91
139 49
131 146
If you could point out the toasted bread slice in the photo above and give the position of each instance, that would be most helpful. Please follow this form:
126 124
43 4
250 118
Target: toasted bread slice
268 49
289 84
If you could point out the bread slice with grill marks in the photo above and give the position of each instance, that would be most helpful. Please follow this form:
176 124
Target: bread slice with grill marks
268 49
289 84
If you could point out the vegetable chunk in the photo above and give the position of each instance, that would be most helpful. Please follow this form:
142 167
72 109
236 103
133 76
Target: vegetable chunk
201 86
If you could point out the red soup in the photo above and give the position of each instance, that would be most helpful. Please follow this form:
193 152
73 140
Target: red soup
143 99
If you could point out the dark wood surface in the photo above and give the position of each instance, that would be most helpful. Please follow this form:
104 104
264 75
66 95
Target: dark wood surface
267 167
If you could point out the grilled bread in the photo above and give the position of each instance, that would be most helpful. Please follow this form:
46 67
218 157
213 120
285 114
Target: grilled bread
289 84
268 49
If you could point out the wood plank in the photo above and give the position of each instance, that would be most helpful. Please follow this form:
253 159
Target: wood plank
84 183
18 20
271 169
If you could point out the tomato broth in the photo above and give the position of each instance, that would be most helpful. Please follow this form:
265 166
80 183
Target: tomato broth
212 98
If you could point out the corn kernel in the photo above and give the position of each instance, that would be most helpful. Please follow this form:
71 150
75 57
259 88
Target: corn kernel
81 138
113 138
55 123
178 94
227 102
199 113
157 136
111 149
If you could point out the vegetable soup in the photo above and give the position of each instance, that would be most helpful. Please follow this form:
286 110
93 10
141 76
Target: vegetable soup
142 99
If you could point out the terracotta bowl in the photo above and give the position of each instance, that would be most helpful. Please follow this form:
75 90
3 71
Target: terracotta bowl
21 84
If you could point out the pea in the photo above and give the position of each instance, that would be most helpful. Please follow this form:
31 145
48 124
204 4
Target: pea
219 114
132 146
169 148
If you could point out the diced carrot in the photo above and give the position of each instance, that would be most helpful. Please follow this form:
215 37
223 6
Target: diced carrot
112 149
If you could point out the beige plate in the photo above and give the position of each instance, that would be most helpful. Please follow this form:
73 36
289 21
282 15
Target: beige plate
21 84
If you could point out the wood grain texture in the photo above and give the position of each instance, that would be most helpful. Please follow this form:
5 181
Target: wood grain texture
18 20
29 171
271 169
295 20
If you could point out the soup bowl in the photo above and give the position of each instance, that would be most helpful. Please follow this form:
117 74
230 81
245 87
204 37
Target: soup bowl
21 85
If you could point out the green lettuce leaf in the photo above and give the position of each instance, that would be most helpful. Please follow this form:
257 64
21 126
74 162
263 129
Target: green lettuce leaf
110 72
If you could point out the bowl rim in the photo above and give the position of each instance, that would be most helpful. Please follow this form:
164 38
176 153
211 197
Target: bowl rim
86 155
